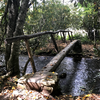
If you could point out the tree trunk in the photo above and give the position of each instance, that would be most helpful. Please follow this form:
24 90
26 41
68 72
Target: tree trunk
12 16
12 56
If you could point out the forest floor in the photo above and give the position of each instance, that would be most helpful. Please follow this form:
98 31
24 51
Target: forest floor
49 49
8 87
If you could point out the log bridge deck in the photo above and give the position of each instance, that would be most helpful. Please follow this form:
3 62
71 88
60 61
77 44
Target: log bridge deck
46 79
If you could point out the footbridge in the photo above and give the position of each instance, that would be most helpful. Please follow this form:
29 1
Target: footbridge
46 79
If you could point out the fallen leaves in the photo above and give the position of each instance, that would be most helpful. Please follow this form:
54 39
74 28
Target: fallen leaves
10 89
18 98
13 88
53 72
49 76
51 64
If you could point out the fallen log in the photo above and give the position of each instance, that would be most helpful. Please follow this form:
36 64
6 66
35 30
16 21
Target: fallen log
54 63
46 80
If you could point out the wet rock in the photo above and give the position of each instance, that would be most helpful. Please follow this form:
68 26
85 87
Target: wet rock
63 75
77 58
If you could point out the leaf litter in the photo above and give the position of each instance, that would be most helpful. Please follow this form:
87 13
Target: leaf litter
9 91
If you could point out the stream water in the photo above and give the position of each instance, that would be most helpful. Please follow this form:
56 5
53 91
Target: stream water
81 77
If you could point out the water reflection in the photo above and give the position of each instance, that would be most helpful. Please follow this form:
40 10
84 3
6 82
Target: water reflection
40 62
79 85
82 77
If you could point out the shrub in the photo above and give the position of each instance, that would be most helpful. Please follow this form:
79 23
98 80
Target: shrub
83 39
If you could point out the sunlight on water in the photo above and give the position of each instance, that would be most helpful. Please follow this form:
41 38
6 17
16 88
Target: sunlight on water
79 85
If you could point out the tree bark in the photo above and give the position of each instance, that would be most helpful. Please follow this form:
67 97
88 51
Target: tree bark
54 63
12 16
12 60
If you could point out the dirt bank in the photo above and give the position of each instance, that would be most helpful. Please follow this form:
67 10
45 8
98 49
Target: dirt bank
49 49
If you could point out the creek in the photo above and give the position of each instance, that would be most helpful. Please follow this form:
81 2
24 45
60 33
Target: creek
82 76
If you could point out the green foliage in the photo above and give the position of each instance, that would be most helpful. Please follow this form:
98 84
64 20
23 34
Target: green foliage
83 39
89 14
76 17
97 51
57 37
77 36
51 15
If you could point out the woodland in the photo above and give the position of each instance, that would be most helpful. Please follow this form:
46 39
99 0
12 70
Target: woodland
27 17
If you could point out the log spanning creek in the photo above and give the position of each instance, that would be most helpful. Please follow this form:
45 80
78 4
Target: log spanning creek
81 77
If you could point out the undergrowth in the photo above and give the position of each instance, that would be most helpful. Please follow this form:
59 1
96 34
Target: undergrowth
83 39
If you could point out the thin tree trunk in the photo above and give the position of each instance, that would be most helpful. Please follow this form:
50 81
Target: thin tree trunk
12 16
13 61
30 56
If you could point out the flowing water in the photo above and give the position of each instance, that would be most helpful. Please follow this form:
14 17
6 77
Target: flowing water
82 76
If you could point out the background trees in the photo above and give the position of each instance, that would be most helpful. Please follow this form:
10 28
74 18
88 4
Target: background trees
51 15
91 16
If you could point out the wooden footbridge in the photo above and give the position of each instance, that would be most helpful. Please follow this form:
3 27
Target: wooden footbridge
46 79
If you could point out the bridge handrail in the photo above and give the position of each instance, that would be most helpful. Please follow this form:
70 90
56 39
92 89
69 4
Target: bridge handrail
24 37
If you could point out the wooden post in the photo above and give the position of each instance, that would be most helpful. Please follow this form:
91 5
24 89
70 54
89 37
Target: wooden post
25 67
64 37
54 42
72 35
69 36
61 36
30 56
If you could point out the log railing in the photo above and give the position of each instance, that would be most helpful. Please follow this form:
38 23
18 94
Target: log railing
26 37
23 37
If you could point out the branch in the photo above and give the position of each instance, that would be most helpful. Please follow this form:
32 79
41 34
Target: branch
5 76
25 67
